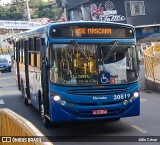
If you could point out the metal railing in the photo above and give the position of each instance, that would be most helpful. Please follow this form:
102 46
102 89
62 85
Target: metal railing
152 63
15 130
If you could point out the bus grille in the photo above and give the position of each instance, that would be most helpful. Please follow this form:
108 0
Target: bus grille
96 104
98 91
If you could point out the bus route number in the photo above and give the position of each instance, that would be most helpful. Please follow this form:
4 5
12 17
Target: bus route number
121 96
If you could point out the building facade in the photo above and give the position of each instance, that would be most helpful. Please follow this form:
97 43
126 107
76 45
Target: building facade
143 14
135 12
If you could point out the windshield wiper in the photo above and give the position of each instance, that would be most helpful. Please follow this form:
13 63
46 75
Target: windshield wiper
80 49
111 50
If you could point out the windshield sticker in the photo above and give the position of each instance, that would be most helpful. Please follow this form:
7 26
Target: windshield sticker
104 78
84 78
112 80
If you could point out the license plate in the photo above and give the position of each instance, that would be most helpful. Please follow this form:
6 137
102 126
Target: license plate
99 112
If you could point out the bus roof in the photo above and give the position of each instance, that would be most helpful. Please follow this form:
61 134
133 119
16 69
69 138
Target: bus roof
151 25
89 22
44 28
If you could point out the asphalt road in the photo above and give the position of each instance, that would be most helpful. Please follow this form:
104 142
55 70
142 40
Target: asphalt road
147 124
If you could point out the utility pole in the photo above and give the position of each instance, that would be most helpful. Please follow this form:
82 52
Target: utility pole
28 12
64 9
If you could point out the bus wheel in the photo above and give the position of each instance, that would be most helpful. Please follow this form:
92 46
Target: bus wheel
25 100
47 123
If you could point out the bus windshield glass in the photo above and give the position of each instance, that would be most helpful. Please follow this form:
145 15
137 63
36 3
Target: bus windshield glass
93 64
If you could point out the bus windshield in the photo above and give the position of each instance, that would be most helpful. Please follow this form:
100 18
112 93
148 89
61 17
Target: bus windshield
93 64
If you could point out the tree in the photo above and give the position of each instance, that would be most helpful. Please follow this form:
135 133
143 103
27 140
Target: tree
45 10
42 9
3 13
16 12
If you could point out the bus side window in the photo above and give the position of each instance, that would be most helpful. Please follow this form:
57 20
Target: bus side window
43 48
19 52
31 55
22 51
37 54
14 49
29 51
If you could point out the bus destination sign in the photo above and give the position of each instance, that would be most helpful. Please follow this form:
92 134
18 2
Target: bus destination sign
95 31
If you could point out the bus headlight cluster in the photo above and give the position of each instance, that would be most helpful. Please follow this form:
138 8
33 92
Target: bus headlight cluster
135 95
63 103
56 98
125 102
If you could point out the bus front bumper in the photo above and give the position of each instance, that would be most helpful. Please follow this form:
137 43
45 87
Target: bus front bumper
60 113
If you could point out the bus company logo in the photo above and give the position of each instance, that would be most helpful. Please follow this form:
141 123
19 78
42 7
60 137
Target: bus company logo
100 98
6 139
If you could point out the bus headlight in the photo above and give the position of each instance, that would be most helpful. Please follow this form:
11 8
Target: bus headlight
125 102
63 103
136 94
56 98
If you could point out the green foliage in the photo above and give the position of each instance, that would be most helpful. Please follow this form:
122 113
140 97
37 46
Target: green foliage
3 13
43 9
15 12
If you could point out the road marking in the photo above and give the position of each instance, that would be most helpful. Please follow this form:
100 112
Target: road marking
7 78
1 101
139 129
6 85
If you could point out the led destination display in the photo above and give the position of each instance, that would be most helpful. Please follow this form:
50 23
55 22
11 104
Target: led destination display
85 31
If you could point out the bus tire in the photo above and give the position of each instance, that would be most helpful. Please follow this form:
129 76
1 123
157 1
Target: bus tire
47 123
25 100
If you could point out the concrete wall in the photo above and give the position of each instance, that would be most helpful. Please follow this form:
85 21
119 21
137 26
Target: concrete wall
153 86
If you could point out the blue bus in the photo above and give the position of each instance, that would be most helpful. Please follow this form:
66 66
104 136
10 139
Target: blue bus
79 71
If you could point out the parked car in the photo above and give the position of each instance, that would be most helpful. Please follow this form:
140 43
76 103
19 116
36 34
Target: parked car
5 65
8 57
